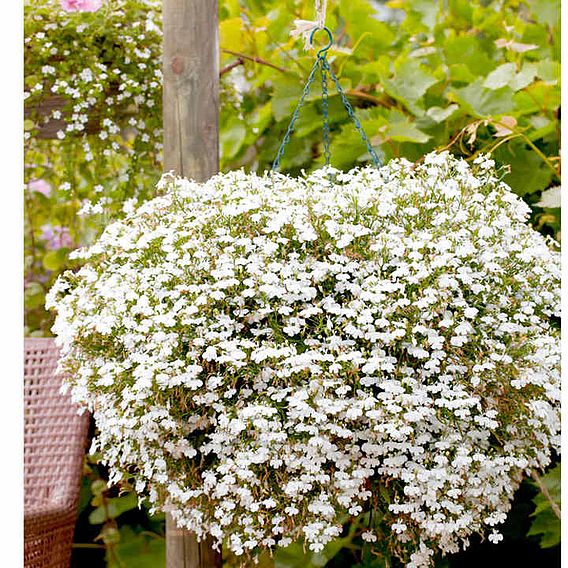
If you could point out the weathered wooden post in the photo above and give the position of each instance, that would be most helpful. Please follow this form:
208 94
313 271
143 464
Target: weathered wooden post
191 88
191 149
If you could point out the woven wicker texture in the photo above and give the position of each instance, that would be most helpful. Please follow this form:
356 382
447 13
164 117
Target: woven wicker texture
54 445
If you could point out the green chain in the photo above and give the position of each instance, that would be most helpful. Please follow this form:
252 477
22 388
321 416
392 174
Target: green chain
322 64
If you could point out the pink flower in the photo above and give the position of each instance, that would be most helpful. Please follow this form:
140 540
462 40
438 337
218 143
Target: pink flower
81 5
56 237
41 186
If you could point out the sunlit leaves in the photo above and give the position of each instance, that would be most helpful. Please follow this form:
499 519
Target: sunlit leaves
501 76
479 101
439 114
410 82
469 51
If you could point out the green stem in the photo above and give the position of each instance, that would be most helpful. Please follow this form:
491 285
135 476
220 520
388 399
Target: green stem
492 148
540 154
535 148
553 505
255 59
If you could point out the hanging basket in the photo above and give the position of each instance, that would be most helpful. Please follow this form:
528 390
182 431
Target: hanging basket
266 356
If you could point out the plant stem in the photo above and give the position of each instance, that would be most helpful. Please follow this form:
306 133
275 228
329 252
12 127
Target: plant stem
553 505
231 66
539 153
367 97
255 59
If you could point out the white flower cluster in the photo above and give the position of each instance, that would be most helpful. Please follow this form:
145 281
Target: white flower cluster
265 355
96 76
101 85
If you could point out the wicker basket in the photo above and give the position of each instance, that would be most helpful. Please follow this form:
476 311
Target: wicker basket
55 437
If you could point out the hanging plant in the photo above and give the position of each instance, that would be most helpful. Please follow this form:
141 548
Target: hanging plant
265 355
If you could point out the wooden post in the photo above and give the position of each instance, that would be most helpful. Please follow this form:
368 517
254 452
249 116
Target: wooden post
191 88
191 149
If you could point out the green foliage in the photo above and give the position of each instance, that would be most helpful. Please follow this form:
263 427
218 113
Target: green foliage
139 549
138 541
546 523
112 508
424 77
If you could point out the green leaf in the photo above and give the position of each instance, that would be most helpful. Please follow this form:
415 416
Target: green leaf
375 71
297 153
524 77
482 102
547 526
428 11
232 138
468 51
311 118
548 71
406 132
549 127
536 34
460 73
439 114
85 494
537 98
55 259
410 82
359 17
546 523
262 116
34 296
293 556
98 516
231 34
347 148
139 550
529 173
501 76
285 96
28 124
462 9
114 507
546 11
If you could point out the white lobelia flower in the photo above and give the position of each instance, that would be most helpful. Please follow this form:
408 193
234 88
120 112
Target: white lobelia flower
265 354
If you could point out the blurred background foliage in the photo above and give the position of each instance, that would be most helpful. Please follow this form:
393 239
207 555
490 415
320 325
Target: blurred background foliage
470 76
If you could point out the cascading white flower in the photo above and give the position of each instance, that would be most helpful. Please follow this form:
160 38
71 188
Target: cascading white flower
265 355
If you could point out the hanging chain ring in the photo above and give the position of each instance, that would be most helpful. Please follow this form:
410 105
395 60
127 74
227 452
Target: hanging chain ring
322 52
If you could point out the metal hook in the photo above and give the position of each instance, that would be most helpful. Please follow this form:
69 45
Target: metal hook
329 40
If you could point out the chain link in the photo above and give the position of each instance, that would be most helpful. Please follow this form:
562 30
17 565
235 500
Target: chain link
325 110
296 113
